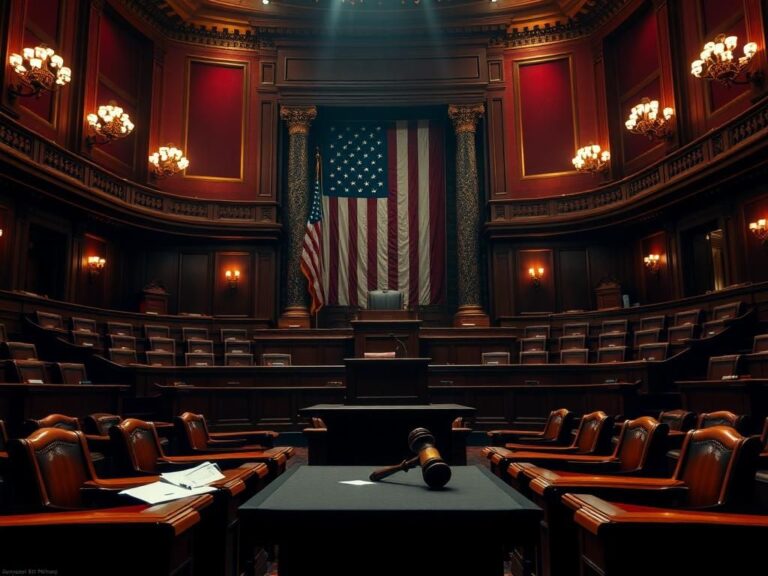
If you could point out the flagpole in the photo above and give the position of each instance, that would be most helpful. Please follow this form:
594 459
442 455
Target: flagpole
319 176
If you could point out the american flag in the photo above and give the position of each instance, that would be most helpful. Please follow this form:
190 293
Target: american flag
311 252
384 206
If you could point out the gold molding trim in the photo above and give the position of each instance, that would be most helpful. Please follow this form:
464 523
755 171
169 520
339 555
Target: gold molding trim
298 118
465 117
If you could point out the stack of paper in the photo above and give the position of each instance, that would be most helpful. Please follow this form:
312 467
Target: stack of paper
175 485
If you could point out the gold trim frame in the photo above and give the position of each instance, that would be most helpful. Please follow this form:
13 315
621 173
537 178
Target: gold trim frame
243 115
519 117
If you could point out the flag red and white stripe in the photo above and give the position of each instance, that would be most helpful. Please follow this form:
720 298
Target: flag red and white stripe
311 250
396 242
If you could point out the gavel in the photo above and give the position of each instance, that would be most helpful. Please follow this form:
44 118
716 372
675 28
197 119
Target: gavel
434 470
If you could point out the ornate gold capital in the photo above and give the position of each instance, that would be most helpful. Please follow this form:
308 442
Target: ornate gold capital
298 118
465 117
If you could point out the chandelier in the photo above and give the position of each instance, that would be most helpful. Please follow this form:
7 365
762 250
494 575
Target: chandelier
591 159
39 69
645 119
167 161
717 61
109 123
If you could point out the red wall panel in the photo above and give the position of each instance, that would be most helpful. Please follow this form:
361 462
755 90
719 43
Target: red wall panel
119 52
546 116
215 120
638 49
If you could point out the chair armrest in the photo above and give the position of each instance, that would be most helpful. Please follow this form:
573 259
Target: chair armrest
228 443
500 437
260 436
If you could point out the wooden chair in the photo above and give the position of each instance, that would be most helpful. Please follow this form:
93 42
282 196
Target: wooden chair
234 359
536 332
137 450
156 331
534 357
738 422
654 352
124 342
49 321
760 344
88 339
714 465
653 323
83 324
610 339
573 341
199 346
576 329
611 326
613 354
242 440
157 358
237 347
123 356
99 423
726 311
234 334
687 317
592 437
723 367
649 336
160 344
28 371
198 359
678 420
533 344
194 332
679 334
71 373
20 350
494 358
710 486
556 430
575 356
274 359
119 329
60 421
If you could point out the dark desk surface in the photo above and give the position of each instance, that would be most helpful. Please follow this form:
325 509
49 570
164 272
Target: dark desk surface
309 494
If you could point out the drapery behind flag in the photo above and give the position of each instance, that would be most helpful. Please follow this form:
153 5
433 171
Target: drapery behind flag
311 250
384 206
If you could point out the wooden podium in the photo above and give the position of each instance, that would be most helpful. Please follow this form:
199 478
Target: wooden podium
387 331
387 380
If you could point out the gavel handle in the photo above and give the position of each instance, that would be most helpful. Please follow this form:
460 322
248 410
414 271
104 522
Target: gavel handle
405 465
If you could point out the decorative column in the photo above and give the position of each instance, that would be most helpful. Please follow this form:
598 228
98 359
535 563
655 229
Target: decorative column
298 118
470 312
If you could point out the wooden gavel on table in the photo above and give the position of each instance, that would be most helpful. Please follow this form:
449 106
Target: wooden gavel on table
434 470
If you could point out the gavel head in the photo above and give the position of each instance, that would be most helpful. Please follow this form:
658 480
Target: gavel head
434 470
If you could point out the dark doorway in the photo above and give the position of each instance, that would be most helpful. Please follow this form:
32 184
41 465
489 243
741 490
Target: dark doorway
46 262
703 250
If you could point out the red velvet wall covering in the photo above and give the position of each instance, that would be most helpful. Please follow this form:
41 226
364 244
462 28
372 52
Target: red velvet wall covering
215 120
724 17
546 117
638 71
42 27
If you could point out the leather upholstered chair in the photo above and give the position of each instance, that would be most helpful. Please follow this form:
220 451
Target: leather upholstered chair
574 356
494 357
534 357
274 359
199 359
123 356
241 439
556 431
20 350
532 344
137 450
98 445
198 345
28 371
233 359
385 300
678 420
738 422
653 322
571 341
715 472
650 336
71 373
122 341
119 329
99 423
612 354
593 437
654 352
157 358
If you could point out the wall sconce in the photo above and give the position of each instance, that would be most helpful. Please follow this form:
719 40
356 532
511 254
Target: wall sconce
109 123
644 119
759 230
591 159
536 274
717 63
167 161
38 69
232 277
652 263
95 265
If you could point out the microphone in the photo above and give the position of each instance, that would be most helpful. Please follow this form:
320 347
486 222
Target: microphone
400 343
434 470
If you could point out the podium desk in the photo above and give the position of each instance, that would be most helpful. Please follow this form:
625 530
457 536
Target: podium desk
378 434
394 527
